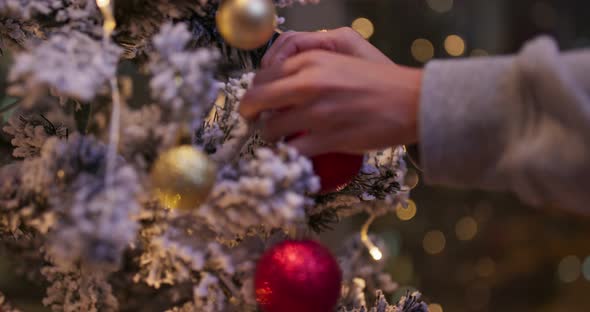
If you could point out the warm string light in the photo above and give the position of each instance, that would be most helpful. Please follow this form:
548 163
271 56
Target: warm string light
373 249
109 23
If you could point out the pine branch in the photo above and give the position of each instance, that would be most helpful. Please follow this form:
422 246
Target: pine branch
323 220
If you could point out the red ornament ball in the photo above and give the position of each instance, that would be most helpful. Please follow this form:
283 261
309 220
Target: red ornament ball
335 170
296 276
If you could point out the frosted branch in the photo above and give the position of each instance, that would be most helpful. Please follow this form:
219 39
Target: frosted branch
73 65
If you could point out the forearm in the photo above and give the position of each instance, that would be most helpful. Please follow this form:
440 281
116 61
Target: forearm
510 123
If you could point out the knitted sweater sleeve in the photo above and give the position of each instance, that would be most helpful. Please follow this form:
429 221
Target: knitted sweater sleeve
518 123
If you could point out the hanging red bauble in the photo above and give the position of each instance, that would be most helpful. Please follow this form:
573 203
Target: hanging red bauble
297 276
335 170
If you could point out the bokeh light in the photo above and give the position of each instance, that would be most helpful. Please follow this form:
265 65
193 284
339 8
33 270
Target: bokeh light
422 50
435 307
466 228
406 213
364 27
479 52
485 267
454 45
586 268
569 269
434 242
440 6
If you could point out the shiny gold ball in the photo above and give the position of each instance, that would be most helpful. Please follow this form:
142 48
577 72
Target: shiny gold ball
183 177
246 24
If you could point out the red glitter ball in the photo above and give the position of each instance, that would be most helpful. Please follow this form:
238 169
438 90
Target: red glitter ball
297 276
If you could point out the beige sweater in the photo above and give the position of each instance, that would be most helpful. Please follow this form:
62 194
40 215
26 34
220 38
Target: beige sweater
518 123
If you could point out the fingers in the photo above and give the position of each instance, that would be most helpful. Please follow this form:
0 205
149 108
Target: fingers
290 44
274 73
351 138
286 85
286 123
310 117
319 143
276 47
269 96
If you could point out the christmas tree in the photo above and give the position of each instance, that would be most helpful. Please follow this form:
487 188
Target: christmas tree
134 185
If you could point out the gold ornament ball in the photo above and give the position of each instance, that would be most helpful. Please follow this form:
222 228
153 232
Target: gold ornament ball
246 24
183 177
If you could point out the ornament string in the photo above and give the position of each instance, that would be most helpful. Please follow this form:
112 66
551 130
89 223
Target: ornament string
109 24
413 161
371 247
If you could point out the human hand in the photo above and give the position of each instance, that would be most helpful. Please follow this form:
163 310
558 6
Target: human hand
343 40
343 103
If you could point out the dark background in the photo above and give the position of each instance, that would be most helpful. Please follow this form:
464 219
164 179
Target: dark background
520 258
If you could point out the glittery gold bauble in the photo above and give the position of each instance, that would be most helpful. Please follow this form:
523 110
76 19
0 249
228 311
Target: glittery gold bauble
246 24
183 177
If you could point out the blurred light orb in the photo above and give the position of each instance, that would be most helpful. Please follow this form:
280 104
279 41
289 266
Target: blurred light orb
454 45
440 6
569 269
586 268
434 242
406 213
435 307
364 27
466 228
422 50
479 52
485 267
